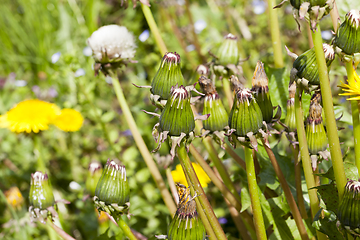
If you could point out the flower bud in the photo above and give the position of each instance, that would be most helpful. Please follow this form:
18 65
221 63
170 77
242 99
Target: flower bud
14 197
315 132
177 117
186 223
41 197
290 120
245 115
168 75
245 118
93 176
260 89
347 37
112 191
218 118
305 69
349 208
228 52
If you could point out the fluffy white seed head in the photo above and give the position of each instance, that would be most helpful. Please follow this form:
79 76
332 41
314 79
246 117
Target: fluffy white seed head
112 41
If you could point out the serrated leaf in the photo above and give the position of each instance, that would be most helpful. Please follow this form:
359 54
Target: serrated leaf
329 195
325 222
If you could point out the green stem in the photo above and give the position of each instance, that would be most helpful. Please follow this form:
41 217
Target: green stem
254 195
305 157
200 211
289 197
143 148
125 228
154 29
228 196
202 203
299 192
355 115
59 231
228 92
275 35
41 165
220 167
331 128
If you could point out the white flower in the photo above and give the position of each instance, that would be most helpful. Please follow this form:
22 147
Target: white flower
112 42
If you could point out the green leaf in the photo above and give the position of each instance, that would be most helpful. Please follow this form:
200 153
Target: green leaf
329 195
325 222
245 199
108 116
351 172
278 87
341 111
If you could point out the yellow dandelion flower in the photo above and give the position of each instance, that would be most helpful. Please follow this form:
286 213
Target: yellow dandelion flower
14 197
351 89
29 116
69 120
179 176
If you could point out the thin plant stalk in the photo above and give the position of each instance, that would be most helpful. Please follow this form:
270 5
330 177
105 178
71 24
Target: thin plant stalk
59 231
254 195
305 157
220 167
170 18
202 203
275 34
143 148
172 185
289 197
332 131
228 92
235 215
234 155
205 221
126 229
355 115
299 192
192 29
154 29
41 165
221 186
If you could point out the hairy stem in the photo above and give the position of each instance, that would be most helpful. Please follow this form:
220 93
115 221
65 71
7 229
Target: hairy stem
332 131
254 195
202 203
154 29
305 157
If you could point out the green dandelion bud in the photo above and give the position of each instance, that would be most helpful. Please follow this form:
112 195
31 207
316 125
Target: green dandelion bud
218 118
349 208
260 89
112 191
177 117
168 75
290 120
305 69
228 52
93 176
315 131
186 223
347 39
245 118
41 198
